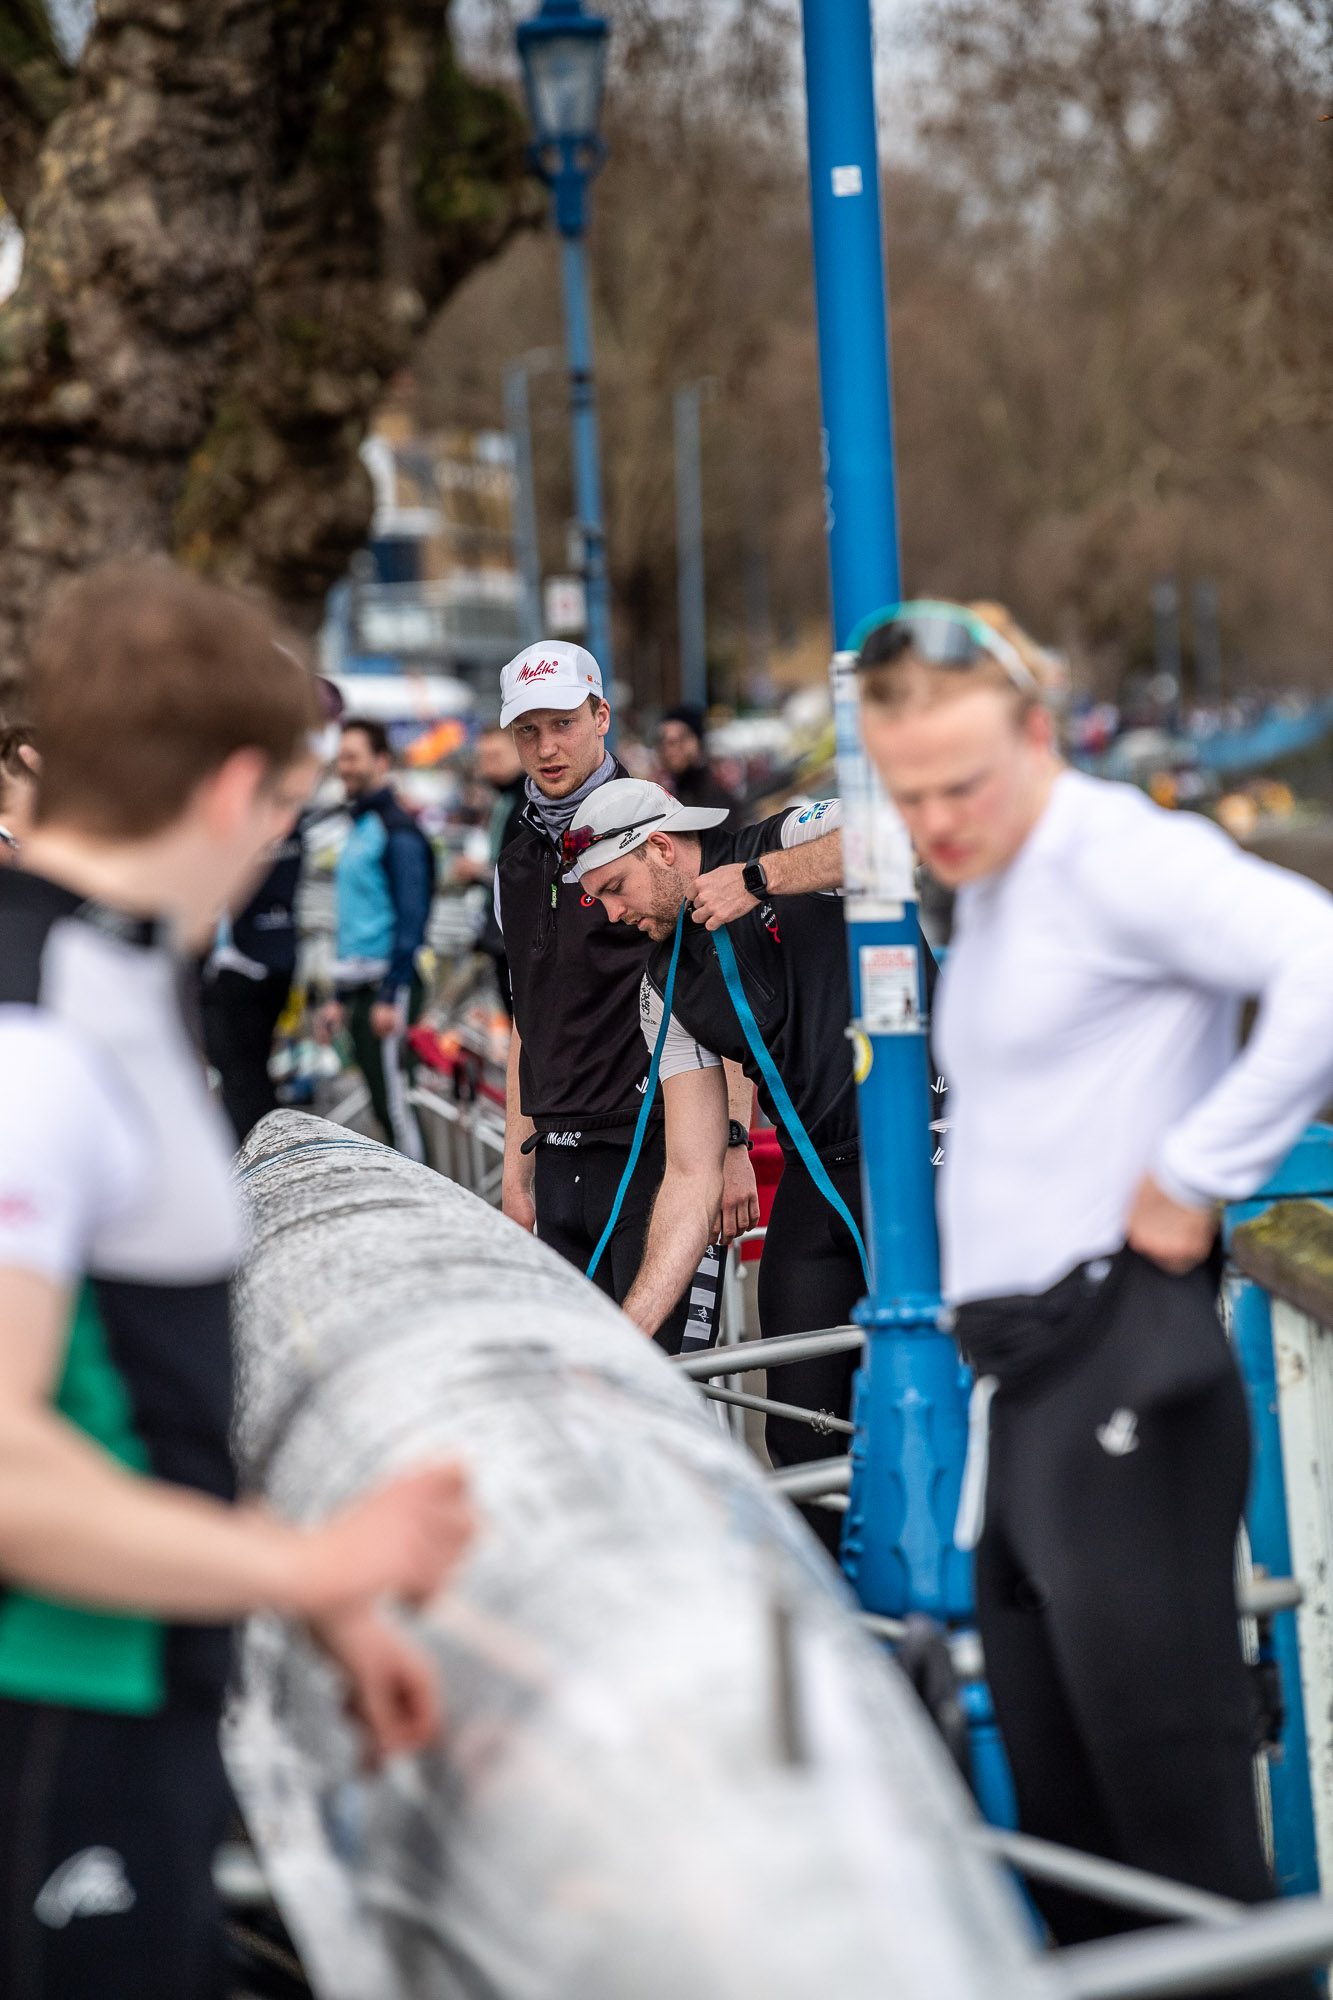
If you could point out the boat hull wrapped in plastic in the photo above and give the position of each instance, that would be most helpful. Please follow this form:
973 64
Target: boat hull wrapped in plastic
674 1767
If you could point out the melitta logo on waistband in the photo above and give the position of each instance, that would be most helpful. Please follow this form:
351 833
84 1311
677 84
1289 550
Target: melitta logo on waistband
537 670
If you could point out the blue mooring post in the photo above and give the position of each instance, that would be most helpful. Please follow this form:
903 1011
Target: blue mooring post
1307 1173
910 1411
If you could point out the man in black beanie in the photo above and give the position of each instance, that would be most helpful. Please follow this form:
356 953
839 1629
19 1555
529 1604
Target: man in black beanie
680 746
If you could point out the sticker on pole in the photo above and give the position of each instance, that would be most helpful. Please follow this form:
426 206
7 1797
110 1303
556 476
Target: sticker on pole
890 994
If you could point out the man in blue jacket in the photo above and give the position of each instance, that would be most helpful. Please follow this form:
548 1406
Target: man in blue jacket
385 880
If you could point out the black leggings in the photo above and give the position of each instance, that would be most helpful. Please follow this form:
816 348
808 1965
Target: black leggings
108 1827
573 1190
239 1017
810 1277
1106 1605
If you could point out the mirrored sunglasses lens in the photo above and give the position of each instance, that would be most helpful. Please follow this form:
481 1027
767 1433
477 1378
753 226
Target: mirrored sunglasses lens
943 640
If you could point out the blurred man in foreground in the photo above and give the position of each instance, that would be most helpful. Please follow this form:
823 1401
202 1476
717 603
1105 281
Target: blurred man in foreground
174 723
1099 1115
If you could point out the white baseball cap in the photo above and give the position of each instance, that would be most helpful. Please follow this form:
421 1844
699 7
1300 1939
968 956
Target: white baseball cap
620 816
551 674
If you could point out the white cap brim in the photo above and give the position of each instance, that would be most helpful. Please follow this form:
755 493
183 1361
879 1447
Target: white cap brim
689 819
544 697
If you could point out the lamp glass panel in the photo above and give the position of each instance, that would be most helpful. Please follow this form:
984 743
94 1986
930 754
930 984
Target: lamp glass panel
565 77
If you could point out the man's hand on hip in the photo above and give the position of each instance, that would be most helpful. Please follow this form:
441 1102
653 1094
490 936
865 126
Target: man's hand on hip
1174 1236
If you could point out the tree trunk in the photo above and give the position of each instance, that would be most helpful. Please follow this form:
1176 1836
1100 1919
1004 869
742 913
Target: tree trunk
239 226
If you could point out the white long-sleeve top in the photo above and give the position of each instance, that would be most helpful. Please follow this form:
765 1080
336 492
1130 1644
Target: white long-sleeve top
1086 1022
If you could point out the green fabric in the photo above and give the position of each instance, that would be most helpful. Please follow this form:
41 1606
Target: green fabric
59 1652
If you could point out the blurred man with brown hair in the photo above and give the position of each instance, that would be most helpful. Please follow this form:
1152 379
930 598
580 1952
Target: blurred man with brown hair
175 726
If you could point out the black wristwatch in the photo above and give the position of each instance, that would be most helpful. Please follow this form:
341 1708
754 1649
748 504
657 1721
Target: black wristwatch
738 1136
755 880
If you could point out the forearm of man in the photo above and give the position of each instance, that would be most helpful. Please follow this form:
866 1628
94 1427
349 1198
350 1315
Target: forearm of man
687 1201
518 1165
803 870
75 1525
740 1093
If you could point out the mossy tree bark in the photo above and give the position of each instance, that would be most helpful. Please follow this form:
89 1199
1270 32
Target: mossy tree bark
239 217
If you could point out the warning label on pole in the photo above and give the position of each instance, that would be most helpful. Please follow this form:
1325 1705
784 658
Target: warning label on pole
890 1003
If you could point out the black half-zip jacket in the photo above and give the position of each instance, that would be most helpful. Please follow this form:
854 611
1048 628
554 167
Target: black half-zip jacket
791 953
575 978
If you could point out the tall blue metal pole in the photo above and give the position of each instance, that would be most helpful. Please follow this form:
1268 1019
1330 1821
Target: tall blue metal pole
587 448
910 1411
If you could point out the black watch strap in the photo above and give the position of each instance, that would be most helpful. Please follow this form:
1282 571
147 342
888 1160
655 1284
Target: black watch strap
755 880
738 1136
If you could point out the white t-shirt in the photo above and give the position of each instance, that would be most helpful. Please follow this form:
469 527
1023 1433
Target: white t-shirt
75 1159
1086 1022
680 1051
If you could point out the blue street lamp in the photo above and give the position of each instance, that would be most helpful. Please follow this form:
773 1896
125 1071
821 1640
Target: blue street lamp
563 53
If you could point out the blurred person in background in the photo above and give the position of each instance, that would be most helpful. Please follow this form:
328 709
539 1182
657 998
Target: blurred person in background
688 774
247 977
20 767
1099 1116
577 1065
175 727
384 882
499 765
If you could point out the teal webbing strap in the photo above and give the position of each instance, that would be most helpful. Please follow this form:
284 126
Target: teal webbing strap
777 1090
649 1091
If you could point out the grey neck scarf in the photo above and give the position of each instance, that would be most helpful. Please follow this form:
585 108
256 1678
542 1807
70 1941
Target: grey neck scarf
556 814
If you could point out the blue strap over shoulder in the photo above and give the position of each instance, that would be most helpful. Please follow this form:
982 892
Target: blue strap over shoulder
649 1092
777 1090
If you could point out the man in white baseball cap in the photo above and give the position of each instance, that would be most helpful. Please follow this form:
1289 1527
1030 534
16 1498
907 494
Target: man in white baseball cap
551 674
577 1065
643 855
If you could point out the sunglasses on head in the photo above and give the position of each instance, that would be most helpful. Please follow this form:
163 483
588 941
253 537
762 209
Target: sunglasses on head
945 635
576 840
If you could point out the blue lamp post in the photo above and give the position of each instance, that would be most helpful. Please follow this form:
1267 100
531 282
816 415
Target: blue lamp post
563 53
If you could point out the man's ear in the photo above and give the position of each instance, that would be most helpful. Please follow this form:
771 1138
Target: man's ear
1039 727
603 717
665 848
226 798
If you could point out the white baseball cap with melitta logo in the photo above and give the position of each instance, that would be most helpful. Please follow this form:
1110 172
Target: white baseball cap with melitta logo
620 816
551 674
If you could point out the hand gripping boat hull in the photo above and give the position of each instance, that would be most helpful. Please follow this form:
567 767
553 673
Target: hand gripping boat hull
674 1767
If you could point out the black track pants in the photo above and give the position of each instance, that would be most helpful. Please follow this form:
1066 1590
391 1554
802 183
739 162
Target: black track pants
574 1188
1106 1600
108 1827
239 1016
810 1276
387 1066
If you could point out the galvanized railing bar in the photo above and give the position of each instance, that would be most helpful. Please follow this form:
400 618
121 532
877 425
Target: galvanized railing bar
819 1420
1107 1881
774 1353
1291 1935
1261 1596
806 1482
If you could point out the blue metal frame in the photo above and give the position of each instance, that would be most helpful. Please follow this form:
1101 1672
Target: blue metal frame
910 1413
1306 1172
